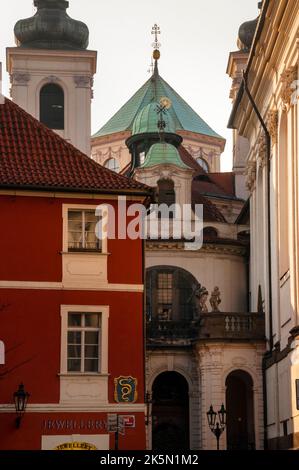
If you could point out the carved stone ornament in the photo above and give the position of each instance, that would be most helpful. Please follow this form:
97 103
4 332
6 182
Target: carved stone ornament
19 78
201 299
82 81
289 93
164 174
52 79
102 155
272 124
261 159
250 175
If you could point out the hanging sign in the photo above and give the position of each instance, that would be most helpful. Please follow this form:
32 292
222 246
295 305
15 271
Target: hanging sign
125 389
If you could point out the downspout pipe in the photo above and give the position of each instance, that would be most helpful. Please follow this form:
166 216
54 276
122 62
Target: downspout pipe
268 166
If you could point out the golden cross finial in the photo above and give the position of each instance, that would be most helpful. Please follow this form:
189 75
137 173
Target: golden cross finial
156 30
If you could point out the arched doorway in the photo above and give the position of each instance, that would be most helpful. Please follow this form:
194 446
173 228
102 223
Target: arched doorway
240 411
170 413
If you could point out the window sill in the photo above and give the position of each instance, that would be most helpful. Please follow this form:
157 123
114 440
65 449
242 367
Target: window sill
82 374
98 253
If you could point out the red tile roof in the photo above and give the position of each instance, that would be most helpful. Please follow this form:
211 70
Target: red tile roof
34 157
226 181
214 184
210 212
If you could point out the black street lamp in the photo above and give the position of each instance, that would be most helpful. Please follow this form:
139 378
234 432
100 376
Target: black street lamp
218 427
20 399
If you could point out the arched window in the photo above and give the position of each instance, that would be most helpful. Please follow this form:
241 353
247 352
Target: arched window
52 106
112 164
166 192
210 232
170 294
203 164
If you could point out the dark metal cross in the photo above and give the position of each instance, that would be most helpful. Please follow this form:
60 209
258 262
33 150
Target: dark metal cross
156 31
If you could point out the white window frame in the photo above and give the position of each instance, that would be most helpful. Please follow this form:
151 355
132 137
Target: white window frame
79 207
103 310
83 330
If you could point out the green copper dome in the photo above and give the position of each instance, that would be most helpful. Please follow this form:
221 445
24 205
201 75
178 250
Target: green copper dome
51 28
147 119
163 153
183 116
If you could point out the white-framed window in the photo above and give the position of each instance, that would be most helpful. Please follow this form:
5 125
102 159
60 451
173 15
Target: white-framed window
84 339
83 342
83 230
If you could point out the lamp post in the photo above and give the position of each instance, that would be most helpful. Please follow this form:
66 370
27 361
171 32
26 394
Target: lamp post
217 426
20 399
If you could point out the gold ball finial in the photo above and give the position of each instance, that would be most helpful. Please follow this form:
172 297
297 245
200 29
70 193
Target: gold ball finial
156 54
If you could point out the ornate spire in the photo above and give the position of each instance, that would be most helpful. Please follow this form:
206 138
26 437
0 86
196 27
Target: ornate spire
156 45
51 28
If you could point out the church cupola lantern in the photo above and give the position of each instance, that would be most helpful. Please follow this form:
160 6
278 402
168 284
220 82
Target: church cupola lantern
51 28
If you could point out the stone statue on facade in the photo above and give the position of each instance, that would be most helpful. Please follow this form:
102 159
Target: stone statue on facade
215 299
201 299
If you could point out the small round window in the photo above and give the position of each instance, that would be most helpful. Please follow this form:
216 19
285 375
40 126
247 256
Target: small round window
112 164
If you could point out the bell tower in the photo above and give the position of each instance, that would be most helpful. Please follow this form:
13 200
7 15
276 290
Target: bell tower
51 71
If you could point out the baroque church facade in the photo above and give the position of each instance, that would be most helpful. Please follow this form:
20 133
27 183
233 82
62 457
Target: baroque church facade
203 347
214 333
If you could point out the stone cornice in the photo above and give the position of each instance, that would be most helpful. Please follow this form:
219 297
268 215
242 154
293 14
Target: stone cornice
206 248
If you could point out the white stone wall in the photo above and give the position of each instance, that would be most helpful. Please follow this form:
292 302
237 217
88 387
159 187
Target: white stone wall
274 85
225 270
31 69
216 362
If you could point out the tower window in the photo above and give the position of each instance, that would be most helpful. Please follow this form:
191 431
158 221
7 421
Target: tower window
52 106
112 164
166 192
203 164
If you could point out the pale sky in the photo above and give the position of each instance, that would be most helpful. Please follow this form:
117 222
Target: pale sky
197 36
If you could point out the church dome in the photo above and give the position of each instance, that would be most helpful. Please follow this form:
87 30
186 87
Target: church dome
246 34
147 119
163 153
51 28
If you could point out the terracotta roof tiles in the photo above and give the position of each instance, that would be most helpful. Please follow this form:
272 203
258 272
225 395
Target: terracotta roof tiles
34 157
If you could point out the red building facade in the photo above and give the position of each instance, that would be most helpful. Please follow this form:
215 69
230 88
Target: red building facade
71 304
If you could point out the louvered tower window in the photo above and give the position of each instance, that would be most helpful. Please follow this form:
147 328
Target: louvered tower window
52 106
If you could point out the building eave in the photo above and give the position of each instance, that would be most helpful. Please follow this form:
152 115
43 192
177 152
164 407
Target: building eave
231 123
